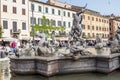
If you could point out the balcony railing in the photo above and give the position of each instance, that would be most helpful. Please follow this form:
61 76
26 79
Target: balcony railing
15 31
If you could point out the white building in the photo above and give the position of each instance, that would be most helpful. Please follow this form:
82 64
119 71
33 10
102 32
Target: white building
60 16
14 18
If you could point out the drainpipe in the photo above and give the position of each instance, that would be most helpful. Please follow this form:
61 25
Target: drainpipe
0 12
33 22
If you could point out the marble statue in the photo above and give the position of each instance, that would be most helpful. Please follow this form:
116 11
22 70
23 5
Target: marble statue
77 43
76 31
25 51
44 48
53 37
54 43
115 43
99 42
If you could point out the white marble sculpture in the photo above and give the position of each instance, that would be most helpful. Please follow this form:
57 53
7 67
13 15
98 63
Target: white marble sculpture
99 42
44 48
26 51
77 43
115 44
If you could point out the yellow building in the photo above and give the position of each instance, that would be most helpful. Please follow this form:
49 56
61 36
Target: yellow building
114 24
94 23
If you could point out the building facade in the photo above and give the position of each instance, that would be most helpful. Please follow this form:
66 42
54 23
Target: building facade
14 18
94 23
114 23
60 16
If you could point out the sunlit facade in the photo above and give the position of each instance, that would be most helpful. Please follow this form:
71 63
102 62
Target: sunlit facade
14 18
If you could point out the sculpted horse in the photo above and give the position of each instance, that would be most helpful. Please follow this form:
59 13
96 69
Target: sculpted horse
44 48
25 51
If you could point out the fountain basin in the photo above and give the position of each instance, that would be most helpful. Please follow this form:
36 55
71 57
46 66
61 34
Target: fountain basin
49 66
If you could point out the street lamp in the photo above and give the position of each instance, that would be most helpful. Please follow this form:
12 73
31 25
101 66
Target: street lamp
32 8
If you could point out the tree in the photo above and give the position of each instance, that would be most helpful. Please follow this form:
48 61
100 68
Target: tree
47 26
1 32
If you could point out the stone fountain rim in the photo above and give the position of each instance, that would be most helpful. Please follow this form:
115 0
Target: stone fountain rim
64 58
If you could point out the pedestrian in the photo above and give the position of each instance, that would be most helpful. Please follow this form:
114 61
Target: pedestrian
13 46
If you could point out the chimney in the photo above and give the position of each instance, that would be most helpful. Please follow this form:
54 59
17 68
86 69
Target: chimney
51 1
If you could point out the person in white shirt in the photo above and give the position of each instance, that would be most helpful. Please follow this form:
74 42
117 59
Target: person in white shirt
1 50
8 48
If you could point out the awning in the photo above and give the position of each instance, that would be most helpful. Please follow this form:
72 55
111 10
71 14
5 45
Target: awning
8 39
35 38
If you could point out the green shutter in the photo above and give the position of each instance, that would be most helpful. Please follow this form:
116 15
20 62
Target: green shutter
32 7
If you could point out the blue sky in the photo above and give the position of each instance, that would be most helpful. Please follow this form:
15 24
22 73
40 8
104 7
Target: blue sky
105 7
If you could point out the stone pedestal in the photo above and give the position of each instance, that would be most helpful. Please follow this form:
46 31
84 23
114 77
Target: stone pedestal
49 66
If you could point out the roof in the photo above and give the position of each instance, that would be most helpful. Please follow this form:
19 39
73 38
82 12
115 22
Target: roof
73 8
52 5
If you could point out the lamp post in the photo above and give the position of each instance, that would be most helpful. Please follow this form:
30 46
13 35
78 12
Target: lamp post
32 8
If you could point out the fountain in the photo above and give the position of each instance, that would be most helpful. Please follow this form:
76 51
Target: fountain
115 43
99 42
47 59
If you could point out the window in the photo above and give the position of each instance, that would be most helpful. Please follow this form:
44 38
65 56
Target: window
23 26
32 7
40 21
73 15
83 16
59 12
33 20
14 10
14 26
64 13
46 10
100 28
39 9
84 35
47 22
53 22
53 11
88 27
88 17
88 34
23 12
107 21
92 27
83 26
99 20
97 28
68 14
59 23
93 35
103 35
4 8
96 19
69 24
5 24
23 1
64 24
14 0
104 21
92 18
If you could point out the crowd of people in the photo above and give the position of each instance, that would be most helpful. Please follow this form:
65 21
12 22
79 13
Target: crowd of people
7 47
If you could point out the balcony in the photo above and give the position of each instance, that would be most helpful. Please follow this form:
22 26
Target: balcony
15 31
